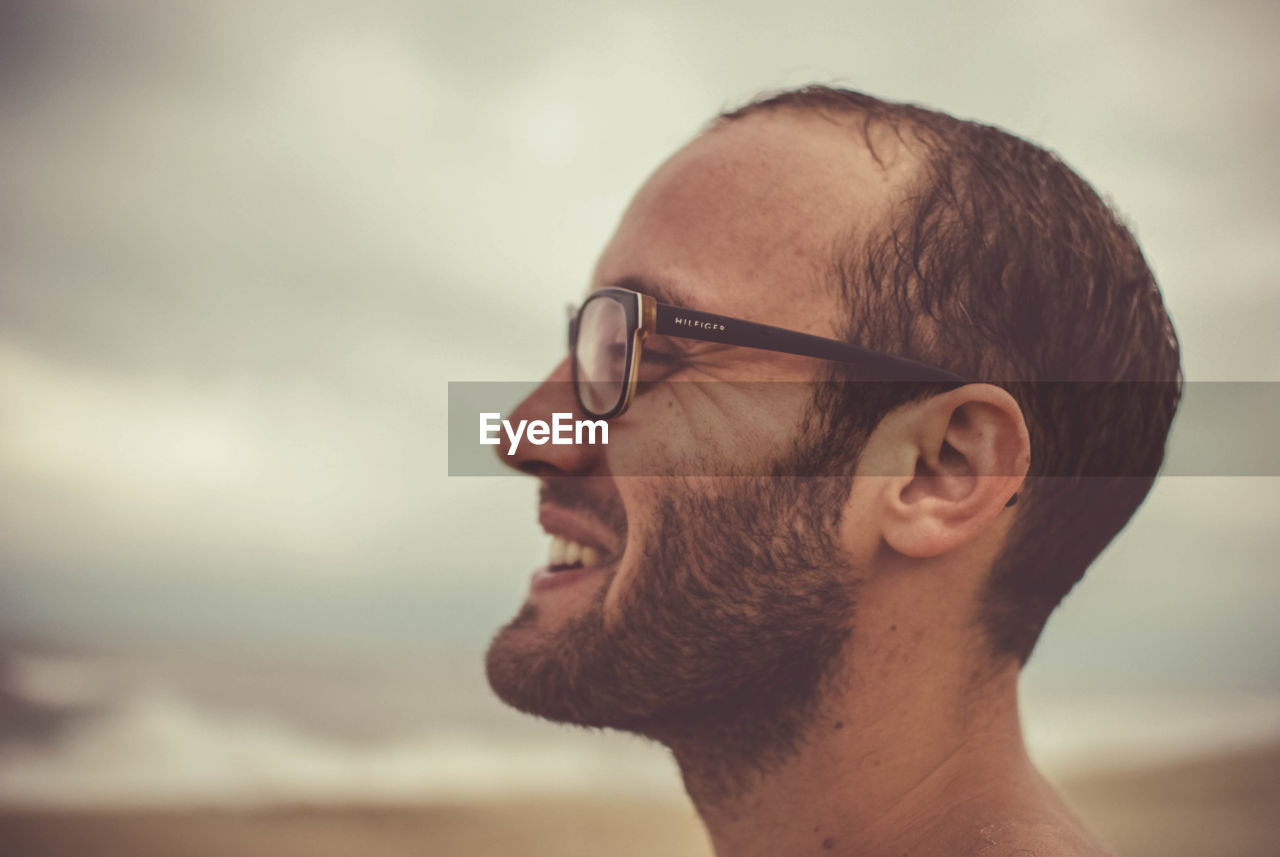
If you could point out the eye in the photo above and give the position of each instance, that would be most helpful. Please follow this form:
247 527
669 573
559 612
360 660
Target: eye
615 353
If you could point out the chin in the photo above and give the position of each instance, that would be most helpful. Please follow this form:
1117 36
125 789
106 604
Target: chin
528 668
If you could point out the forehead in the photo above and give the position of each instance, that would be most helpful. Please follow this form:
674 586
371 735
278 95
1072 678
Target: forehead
745 219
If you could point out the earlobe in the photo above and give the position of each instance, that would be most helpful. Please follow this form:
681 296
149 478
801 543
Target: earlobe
972 451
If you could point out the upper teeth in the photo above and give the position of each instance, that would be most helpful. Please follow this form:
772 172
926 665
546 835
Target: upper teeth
565 552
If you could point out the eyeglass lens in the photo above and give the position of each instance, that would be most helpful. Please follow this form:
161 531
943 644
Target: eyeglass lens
601 355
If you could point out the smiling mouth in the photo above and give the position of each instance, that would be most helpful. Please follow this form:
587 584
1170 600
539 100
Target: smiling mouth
565 555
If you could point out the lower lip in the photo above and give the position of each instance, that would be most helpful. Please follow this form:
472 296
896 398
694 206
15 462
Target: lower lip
544 578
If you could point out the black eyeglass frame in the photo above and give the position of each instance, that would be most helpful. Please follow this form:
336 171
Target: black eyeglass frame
646 315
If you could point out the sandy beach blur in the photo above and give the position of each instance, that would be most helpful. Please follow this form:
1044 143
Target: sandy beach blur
1222 806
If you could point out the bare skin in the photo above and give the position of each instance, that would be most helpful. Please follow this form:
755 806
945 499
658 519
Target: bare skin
915 746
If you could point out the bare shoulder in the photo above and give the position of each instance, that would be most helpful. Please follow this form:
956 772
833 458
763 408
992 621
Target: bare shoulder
1044 839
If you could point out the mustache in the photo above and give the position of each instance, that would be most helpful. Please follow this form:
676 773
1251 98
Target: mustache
594 496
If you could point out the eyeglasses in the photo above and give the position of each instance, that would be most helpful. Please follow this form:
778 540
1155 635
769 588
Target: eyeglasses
607 334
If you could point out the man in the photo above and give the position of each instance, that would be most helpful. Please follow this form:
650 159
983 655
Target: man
831 652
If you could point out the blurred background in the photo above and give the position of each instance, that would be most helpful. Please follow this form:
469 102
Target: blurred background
244 247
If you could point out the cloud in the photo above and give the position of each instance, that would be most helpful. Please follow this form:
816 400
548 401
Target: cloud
245 246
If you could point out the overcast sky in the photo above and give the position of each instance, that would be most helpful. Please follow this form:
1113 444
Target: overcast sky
245 246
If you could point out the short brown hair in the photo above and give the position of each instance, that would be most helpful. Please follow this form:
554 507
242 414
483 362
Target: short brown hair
1003 264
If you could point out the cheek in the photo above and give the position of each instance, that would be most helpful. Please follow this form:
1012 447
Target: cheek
639 497
623 585
622 581
708 428
647 536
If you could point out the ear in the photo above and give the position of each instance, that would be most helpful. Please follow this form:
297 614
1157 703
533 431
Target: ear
964 455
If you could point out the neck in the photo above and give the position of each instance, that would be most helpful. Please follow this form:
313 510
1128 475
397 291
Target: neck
913 764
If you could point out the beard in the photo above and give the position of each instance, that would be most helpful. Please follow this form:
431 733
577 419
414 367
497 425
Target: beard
726 635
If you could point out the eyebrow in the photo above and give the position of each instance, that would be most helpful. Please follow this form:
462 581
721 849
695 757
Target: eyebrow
659 291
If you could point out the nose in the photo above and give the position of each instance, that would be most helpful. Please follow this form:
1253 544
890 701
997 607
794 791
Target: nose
553 395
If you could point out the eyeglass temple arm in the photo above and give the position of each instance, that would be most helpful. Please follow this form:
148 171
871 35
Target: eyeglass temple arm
709 327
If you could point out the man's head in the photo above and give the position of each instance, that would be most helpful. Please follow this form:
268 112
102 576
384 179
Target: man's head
1000 263
728 605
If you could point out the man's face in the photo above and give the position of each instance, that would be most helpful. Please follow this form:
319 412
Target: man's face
704 599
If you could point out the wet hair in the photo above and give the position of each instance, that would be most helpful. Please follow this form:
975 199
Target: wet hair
1001 264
